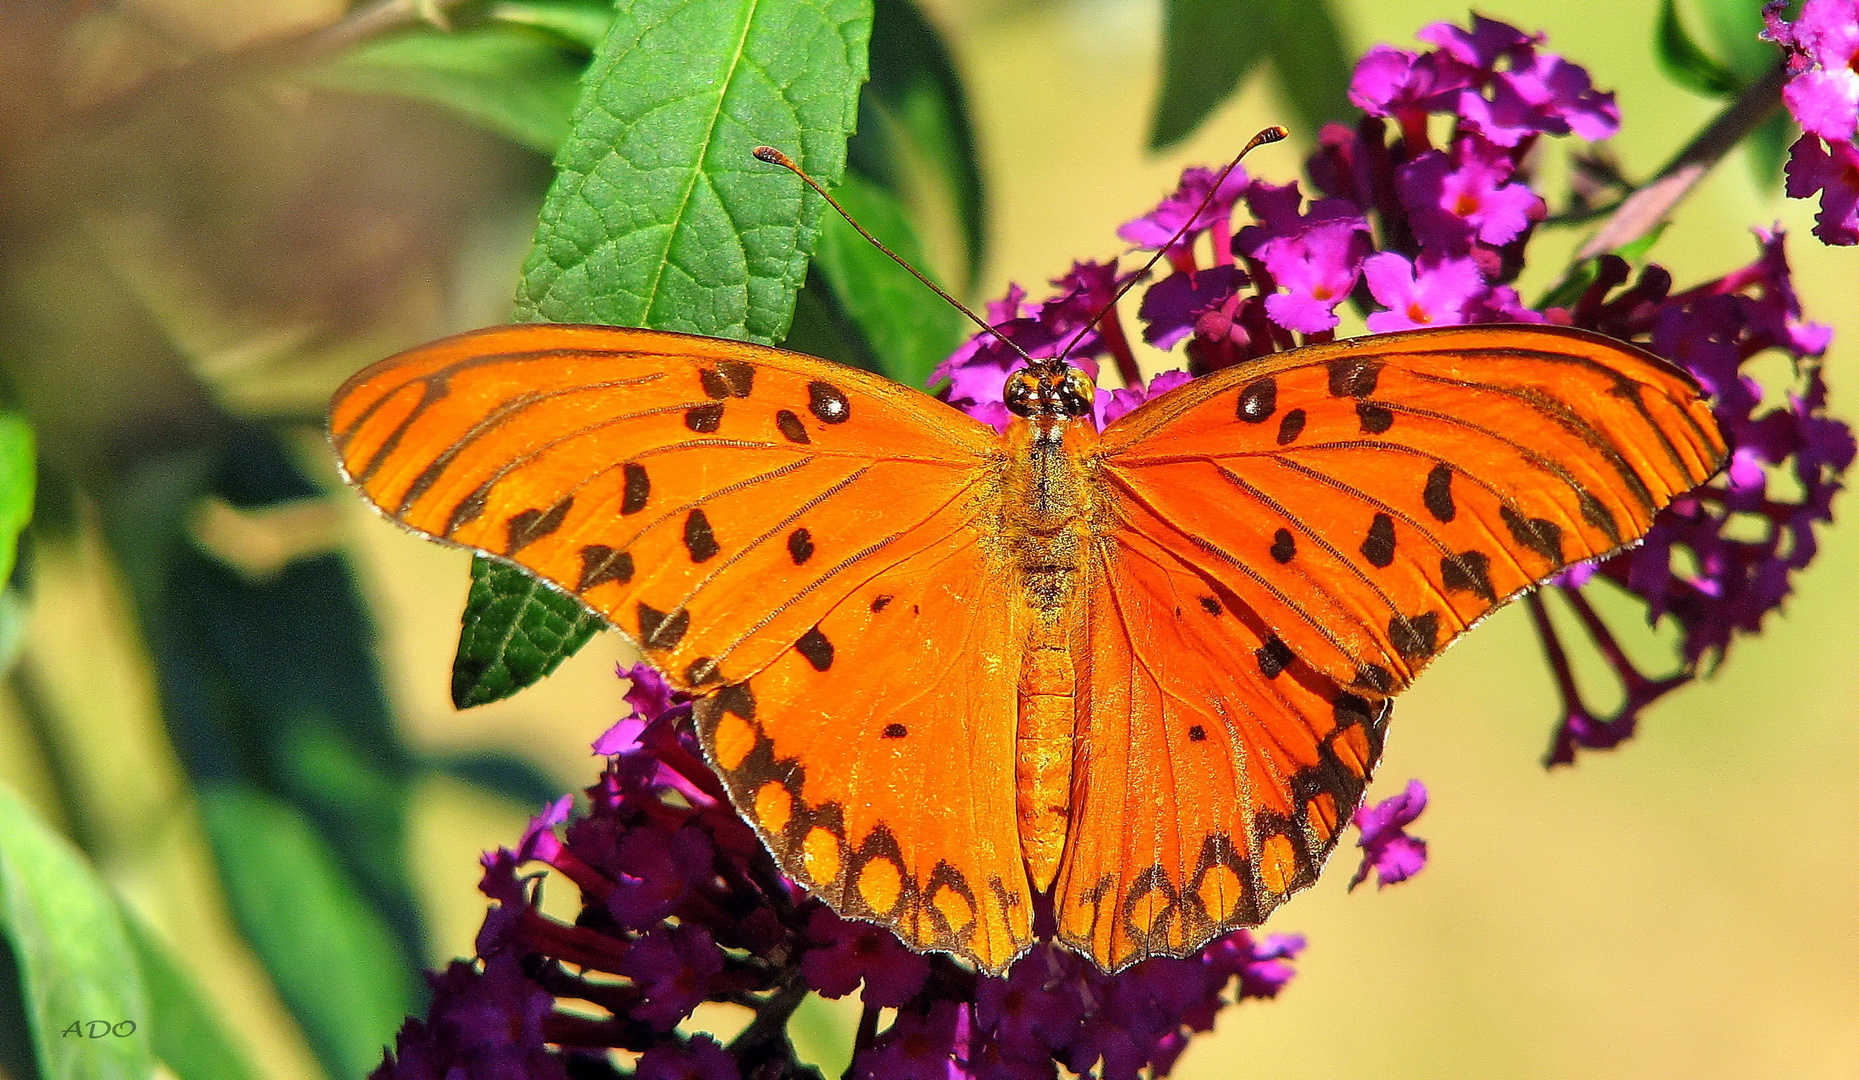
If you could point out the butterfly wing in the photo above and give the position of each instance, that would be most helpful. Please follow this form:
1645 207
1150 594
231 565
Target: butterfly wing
712 500
792 540
876 758
1372 498
1294 540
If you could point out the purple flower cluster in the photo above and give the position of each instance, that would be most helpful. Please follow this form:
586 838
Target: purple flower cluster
681 905
1822 50
1415 234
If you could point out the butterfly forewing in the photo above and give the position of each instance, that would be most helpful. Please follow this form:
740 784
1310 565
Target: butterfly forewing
1371 499
711 499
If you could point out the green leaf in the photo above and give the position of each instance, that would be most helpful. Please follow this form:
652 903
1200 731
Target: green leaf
914 137
335 962
186 1031
517 81
1312 63
1685 63
18 479
581 23
516 631
1203 61
658 217
1736 26
910 329
73 955
1302 38
1634 251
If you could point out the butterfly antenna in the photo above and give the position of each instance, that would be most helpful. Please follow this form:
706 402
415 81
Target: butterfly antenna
776 157
1269 135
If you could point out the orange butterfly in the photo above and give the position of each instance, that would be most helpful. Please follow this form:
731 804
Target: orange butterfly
942 670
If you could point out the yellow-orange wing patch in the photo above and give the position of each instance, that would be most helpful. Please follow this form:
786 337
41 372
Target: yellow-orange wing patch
1370 499
712 499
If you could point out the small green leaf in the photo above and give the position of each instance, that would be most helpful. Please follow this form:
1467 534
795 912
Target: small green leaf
658 217
1635 251
516 631
18 478
1736 27
910 328
517 81
333 960
1685 63
1573 284
1203 61
73 955
914 137
186 1031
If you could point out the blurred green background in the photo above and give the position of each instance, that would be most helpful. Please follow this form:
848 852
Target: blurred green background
181 262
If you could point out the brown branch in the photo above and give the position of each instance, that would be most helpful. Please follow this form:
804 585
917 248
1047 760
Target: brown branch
1642 211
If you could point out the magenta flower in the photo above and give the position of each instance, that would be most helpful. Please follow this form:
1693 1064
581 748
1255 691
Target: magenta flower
1453 200
1114 403
1171 307
1316 269
1487 44
1830 170
1438 295
1822 46
1394 82
1154 229
1387 850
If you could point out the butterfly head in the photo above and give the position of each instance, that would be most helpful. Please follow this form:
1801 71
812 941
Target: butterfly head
1052 392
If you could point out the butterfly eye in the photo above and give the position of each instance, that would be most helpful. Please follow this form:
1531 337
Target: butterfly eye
1022 393
1077 393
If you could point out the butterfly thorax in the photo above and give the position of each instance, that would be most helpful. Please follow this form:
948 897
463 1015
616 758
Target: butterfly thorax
1047 522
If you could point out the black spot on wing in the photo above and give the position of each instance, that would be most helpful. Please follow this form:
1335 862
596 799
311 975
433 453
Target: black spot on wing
894 731
1378 545
814 646
1375 419
730 378
828 403
660 631
638 488
1415 638
528 526
698 538
1538 534
1284 546
1437 494
704 418
1468 571
1353 376
1290 427
791 428
800 546
601 564
1273 656
1258 400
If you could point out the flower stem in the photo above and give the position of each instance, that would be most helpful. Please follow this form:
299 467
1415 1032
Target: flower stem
1642 211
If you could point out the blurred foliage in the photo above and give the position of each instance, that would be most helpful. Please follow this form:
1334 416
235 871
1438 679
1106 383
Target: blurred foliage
1204 60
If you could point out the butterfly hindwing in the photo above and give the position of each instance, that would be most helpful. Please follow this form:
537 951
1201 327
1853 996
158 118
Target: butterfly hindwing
1212 778
703 495
876 757
1371 499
